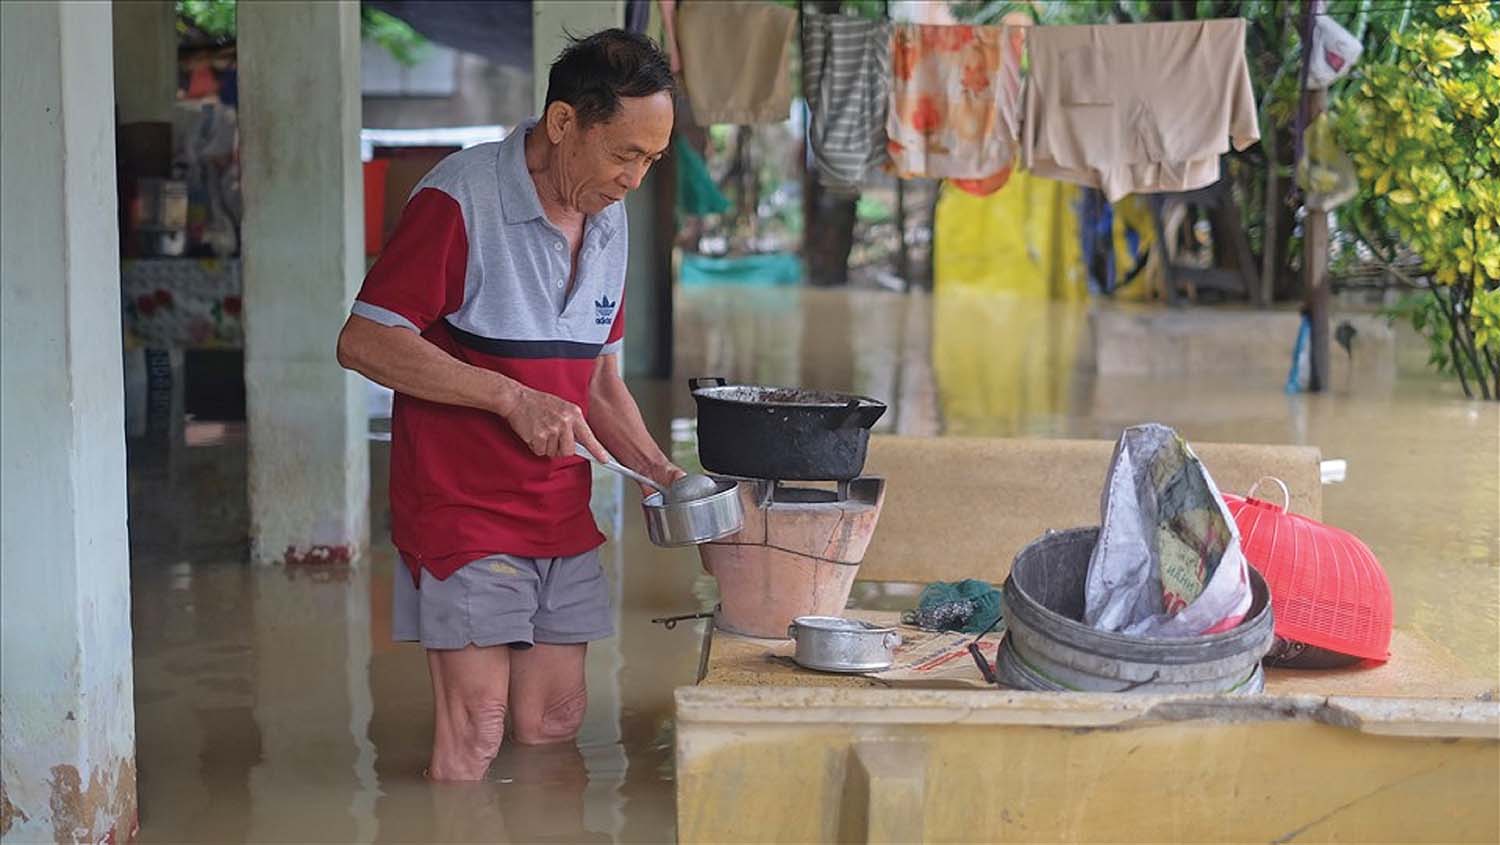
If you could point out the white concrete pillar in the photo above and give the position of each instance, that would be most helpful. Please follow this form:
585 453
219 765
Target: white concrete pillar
552 22
145 39
67 716
303 261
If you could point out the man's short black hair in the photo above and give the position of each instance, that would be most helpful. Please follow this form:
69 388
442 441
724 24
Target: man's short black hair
593 73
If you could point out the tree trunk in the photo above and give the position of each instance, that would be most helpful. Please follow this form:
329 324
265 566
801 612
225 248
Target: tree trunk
828 239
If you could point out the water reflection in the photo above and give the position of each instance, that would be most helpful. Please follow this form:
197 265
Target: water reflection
1006 365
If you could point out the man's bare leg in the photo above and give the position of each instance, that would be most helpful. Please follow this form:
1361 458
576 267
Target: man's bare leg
547 693
470 692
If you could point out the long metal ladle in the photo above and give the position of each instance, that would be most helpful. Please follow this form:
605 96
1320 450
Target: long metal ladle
615 466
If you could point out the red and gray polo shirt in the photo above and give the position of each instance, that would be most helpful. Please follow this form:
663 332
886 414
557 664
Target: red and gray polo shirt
475 267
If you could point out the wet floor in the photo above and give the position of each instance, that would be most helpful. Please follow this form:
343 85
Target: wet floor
272 706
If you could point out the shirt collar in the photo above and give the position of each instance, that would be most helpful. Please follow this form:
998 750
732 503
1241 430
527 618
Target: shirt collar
518 196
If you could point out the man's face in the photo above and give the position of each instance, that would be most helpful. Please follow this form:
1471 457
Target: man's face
604 162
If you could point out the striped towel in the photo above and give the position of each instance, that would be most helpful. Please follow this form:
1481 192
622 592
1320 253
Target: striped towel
845 78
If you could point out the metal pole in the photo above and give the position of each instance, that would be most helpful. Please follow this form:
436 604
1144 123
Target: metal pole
1314 229
903 255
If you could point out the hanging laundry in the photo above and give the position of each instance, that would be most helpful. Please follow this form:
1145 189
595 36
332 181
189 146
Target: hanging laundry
845 79
1137 108
955 102
736 59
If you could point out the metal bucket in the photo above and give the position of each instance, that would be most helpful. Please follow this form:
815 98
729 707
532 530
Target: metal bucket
1048 647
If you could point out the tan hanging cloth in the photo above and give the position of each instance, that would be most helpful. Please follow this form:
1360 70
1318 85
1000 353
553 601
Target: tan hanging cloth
736 60
1137 108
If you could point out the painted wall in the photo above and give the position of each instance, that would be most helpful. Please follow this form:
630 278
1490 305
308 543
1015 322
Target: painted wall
67 733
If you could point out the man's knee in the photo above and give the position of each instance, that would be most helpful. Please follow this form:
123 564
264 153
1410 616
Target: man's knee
560 721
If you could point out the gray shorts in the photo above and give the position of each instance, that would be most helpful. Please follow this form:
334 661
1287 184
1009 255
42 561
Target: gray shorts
505 600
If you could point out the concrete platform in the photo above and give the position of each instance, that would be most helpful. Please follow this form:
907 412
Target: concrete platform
799 764
770 752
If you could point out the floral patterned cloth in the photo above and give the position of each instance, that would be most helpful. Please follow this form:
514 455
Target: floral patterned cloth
182 303
955 102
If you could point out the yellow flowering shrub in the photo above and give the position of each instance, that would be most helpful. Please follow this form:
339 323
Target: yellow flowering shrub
1424 132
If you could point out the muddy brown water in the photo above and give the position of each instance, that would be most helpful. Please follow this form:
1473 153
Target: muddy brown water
271 704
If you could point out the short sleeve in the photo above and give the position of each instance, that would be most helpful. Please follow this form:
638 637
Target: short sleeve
419 276
616 339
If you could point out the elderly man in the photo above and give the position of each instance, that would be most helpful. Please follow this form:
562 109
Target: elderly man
496 313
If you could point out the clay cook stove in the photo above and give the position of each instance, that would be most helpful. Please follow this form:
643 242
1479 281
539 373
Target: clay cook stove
804 536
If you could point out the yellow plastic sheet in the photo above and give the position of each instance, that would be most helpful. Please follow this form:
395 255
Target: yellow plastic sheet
1021 240
1009 305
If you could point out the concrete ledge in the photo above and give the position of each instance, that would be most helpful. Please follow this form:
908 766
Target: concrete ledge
808 765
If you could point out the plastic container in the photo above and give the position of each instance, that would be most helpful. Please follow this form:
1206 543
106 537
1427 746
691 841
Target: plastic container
1327 588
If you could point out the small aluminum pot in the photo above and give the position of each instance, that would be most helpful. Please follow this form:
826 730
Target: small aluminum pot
696 521
836 644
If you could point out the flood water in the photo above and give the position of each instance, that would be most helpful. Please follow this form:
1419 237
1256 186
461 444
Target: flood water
271 704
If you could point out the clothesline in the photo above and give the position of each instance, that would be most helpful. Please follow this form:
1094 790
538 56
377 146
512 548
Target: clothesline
1125 108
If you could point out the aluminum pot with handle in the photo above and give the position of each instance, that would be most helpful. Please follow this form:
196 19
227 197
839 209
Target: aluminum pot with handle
755 431
695 521
837 644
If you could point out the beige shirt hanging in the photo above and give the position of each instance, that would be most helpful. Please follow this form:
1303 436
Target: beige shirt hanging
736 60
1137 108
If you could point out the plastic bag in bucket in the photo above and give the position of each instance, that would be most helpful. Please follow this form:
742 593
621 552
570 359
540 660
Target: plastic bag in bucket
1168 562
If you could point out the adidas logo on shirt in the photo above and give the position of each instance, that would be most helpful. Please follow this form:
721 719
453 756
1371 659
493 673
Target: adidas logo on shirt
604 311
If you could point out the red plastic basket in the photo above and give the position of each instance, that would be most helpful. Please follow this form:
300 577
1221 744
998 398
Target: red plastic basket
1327 588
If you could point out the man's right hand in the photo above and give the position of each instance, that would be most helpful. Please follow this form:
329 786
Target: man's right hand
550 426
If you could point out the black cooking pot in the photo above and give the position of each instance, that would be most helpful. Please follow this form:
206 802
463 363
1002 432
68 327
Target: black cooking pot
780 432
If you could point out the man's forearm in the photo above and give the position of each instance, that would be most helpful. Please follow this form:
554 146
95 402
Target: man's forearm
406 362
616 420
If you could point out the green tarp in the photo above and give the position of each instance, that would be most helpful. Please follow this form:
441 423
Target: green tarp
775 268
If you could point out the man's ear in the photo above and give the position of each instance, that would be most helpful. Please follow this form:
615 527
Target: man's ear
559 120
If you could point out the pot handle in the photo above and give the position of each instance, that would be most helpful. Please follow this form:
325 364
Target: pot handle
847 417
791 631
858 414
892 640
705 381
